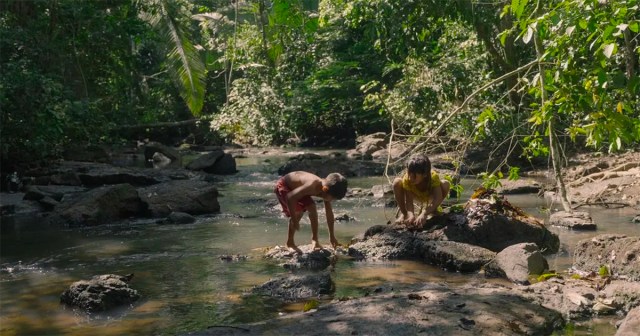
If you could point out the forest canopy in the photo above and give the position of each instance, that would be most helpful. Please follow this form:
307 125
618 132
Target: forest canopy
528 74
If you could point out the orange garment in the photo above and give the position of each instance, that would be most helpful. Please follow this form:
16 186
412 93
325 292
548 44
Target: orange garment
282 190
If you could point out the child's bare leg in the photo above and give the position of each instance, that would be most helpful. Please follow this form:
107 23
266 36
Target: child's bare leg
291 232
445 186
298 218
399 195
313 218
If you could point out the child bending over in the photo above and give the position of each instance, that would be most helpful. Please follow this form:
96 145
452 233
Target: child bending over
294 192
418 182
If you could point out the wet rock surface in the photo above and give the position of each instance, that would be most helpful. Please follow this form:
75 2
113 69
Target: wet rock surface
190 196
102 205
297 287
100 293
310 259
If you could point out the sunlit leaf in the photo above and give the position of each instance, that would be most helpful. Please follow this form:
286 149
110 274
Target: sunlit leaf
609 49
619 107
527 36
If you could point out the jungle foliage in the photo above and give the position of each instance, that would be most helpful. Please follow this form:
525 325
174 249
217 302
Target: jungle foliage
515 73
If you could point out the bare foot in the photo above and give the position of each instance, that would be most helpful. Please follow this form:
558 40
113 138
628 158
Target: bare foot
293 248
400 220
334 243
315 245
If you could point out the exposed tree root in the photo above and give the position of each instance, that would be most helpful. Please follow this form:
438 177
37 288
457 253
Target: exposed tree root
604 204
619 171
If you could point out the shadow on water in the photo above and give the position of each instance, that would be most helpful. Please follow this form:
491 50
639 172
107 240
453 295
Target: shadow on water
184 284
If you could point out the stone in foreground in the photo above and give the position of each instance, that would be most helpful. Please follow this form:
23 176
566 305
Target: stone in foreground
101 293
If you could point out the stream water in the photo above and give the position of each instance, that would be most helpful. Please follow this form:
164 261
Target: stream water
185 286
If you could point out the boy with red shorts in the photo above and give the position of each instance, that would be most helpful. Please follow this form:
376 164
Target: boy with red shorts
294 191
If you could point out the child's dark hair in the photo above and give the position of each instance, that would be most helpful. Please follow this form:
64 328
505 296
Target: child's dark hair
337 185
419 164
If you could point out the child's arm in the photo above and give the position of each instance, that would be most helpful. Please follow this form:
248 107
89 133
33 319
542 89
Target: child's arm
436 200
330 221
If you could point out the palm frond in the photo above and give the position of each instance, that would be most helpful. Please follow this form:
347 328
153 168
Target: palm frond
183 60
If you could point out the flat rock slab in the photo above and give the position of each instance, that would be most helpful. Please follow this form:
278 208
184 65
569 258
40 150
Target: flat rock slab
481 309
455 256
573 220
519 186
619 253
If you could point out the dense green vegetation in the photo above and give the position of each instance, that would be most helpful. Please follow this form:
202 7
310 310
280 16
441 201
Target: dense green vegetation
528 74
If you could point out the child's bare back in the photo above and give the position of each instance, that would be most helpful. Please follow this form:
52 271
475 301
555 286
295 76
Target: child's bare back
297 179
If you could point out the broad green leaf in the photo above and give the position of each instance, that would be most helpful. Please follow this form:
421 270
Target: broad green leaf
634 27
517 7
607 32
583 24
609 49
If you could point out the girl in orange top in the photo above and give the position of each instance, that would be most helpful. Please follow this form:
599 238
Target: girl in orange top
418 182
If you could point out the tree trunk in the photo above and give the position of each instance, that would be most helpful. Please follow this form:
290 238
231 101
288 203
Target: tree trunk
553 144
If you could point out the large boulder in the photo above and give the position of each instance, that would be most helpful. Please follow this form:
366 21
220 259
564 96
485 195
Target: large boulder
490 221
100 293
215 162
386 242
102 205
151 148
323 166
517 262
366 145
99 174
191 196
618 253
462 241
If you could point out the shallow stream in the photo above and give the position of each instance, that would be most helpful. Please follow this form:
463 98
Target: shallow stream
185 286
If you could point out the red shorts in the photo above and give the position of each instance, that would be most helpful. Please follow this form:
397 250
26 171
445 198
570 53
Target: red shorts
282 190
